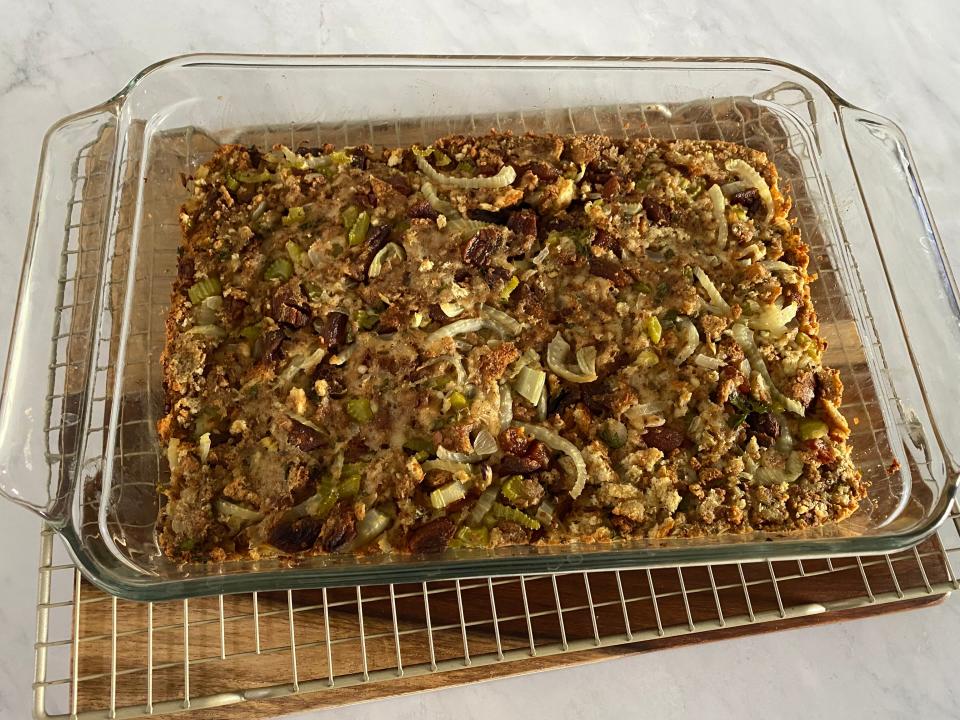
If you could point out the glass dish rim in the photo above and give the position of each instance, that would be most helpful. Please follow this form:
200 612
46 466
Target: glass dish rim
575 559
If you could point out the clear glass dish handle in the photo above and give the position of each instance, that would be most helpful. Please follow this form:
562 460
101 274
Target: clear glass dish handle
35 469
912 254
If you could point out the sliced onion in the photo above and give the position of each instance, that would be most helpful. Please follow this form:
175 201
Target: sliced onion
373 524
691 339
484 444
788 271
460 327
453 467
773 319
765 475
390 251
784 442
541 256
507 324
631 208
506 406
204 446
736 186
173 454
455 457
441 206
236 517
214 332
545 511
747 173
451 310
304 362
556 442
649 408
744 338
447 495
258 210
719 304
464 226
529 384
719 215
587 360
710 363
503 178
453 360
207 311
542 405
557 352
483 505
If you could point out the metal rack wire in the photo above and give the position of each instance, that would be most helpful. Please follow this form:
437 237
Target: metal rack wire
100 657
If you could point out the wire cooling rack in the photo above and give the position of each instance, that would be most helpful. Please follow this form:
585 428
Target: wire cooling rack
100 657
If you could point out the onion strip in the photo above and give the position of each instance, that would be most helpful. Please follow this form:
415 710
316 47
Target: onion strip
719 205
691 339
719 304
744 338
503 178
557 352
748 173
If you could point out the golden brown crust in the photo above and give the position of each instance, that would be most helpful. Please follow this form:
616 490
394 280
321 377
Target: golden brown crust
309 386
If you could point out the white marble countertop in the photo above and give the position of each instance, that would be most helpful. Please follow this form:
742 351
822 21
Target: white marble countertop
899 59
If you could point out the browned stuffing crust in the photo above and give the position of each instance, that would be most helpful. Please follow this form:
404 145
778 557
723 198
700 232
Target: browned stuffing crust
356 348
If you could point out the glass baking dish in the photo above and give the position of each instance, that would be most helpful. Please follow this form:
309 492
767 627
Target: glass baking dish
82 393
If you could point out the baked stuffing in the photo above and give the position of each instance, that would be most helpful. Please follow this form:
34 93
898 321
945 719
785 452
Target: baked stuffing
491 341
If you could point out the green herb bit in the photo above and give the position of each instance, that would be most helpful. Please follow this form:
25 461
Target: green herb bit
642 287
251 177
465 167
350 480
510 286
654 329
420 444
648 358
367 319
251 332
358 233
661 292
295 252
458 401
323 501
314 291
202 289
440 158
294 215
349 217
359 409
231 182
279 269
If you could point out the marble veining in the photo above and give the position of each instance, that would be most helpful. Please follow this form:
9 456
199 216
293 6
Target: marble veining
899 59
